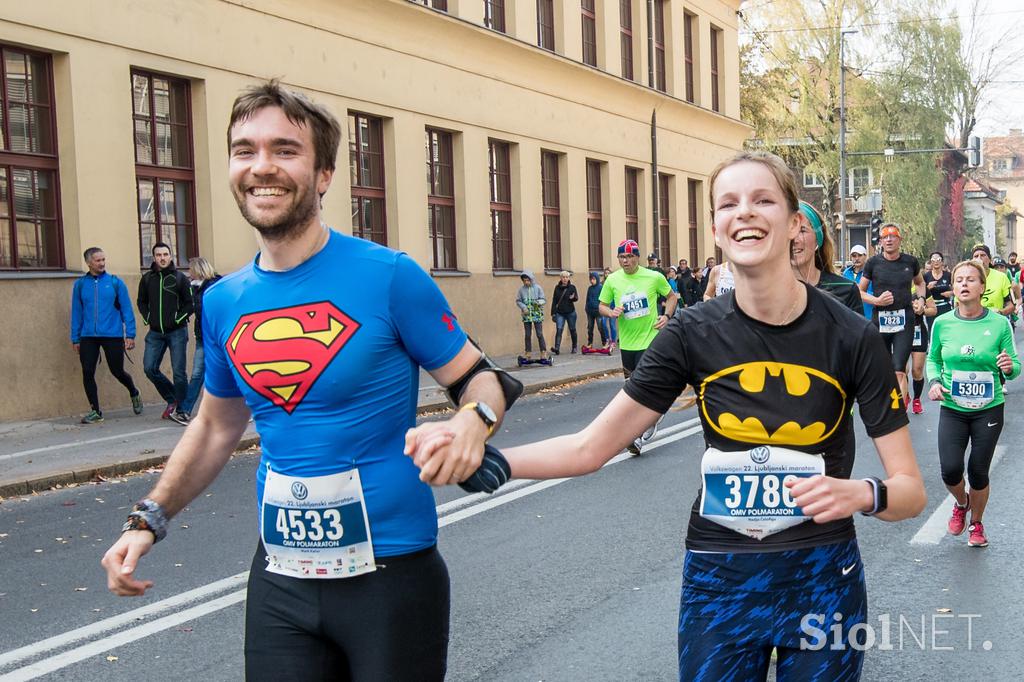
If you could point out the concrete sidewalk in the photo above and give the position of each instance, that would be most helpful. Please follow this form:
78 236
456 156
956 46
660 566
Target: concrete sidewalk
38 455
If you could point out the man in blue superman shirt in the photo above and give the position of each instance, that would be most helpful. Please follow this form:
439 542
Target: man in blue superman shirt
321 339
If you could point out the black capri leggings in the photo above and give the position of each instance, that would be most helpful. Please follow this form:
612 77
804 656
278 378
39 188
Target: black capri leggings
391 624
982 428
898 345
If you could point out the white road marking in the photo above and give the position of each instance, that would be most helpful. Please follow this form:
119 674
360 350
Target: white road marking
49 665
123 436
449 513
115 622
934 529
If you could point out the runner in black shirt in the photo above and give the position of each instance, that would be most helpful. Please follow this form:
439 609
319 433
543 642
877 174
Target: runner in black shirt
892 274
776 366
811 255
936 280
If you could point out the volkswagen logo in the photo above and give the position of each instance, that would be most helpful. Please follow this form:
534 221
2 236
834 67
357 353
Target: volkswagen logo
299 490
760 455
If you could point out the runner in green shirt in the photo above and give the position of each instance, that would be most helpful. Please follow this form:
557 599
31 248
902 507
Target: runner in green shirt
971 348
630 295
998 289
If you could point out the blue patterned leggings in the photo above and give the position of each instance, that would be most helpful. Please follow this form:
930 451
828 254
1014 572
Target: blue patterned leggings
735 608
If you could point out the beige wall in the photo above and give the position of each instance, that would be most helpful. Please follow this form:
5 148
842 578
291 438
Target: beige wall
413 67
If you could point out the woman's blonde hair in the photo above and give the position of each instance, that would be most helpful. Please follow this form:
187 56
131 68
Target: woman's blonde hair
778 168
971 264
199 268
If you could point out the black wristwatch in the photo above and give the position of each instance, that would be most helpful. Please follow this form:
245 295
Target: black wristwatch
484 411
881 496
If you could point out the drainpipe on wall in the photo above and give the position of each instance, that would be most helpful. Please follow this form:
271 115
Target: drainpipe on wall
654 126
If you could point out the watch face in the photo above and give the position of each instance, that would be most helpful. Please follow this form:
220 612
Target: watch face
486 411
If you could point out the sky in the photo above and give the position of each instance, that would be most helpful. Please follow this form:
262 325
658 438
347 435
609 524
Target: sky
1006 109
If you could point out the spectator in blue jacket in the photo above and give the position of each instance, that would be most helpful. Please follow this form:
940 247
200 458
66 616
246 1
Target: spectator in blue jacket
102 318
592 308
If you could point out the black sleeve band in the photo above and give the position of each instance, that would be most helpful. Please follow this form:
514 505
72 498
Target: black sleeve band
511 387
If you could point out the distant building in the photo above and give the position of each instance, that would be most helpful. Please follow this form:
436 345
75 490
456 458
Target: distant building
480 136
1003 167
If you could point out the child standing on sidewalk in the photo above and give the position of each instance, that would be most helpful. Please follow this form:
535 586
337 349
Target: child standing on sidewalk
530 300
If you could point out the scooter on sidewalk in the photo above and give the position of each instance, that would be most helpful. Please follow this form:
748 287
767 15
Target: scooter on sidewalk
591 350
543 358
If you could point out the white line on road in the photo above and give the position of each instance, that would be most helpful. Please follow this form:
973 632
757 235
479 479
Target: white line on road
114 622
123 436
934 529
49 665
449 513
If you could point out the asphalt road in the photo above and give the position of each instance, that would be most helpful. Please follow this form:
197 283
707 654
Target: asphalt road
578 580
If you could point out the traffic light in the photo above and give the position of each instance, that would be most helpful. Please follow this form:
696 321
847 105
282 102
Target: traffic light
876 229
974 152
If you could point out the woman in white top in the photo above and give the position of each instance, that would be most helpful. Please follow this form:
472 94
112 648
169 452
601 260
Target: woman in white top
720 281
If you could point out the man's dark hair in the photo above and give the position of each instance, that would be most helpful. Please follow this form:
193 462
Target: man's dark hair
299 109
90 252
1012 254
159 245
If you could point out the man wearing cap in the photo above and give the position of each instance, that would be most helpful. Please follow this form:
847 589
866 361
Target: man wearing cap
998 291
630 295
654 263
892 273
858 255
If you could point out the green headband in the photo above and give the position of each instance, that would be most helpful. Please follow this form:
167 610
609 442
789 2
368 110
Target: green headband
815 220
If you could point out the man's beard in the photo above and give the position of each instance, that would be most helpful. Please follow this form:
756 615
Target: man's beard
288 226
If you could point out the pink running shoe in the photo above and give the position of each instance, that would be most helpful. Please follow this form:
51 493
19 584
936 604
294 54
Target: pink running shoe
958 519
917 407
977 535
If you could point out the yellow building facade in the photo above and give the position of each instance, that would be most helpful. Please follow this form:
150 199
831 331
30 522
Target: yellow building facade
482 137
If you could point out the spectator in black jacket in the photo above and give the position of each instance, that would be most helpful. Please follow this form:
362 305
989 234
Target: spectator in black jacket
202 276
688 287
165 303
563 310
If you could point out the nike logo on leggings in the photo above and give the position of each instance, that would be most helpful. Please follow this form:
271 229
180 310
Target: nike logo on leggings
994 424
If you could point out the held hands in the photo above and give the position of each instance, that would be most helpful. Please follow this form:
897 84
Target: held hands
827 499
449 451
1004 363
121 560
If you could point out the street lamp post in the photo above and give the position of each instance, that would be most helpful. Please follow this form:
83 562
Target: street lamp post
843 232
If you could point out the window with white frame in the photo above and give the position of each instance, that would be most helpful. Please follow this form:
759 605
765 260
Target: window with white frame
811 179
858 181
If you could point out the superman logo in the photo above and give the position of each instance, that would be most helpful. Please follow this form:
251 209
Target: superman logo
281 353
773 403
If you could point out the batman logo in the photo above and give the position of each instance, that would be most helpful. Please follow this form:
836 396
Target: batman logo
773 403
281 353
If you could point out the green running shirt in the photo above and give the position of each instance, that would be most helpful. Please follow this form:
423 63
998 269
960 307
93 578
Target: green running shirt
637 296
970 346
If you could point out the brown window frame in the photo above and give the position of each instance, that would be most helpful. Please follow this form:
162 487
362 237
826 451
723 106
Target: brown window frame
595 219
441 5
551 204
633 202
659 46
664 219
716 104
688 21
361 186
158 174
499 172
437 202
494 15
546 31
692 188
588 19
34 163
626 38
